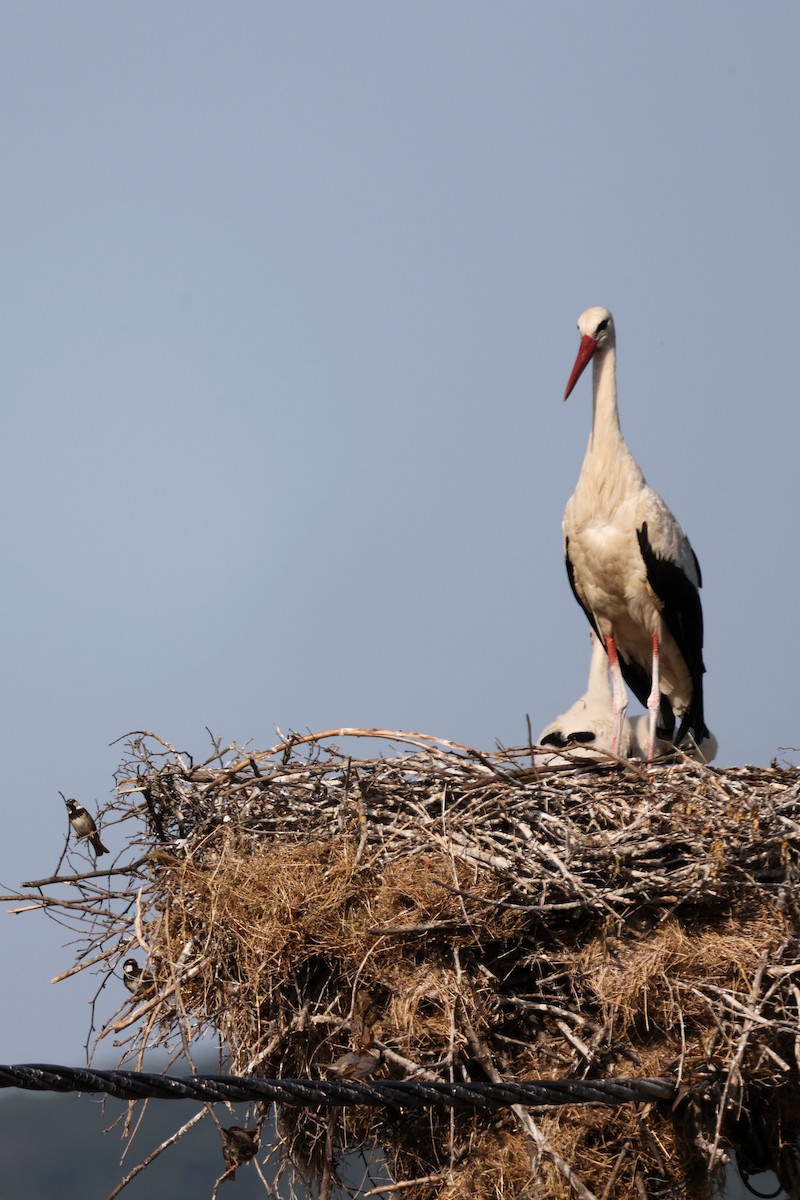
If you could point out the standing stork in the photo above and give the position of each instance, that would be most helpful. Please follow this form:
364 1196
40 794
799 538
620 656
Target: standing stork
630 564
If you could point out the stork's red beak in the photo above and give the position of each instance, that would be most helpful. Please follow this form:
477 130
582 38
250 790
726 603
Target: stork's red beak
585 351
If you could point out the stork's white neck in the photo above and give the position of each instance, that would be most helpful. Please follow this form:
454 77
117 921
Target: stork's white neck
599 687
605 415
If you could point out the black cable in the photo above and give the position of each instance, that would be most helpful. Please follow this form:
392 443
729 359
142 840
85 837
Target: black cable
407 1093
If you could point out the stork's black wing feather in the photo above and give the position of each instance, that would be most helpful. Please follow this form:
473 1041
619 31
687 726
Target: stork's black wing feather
561 740
683 616
576 594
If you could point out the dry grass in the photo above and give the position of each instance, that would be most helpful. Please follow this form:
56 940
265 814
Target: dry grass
483 920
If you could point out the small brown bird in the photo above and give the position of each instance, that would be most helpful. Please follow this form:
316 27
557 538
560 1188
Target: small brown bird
83 824
239 1146
356 1064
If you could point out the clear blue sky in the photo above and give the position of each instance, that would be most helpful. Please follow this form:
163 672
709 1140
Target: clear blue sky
288 308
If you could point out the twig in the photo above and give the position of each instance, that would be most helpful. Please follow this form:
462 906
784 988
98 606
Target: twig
405 1184
165 1145
734 1068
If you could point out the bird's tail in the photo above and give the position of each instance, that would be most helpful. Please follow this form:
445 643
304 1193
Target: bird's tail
693 720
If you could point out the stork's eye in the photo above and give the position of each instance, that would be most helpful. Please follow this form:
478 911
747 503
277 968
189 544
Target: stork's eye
603 325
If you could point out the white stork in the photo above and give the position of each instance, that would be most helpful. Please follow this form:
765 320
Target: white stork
588 725
586 729
630 564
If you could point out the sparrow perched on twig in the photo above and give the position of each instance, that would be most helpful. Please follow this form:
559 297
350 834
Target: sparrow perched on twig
356 1064
133 976
239 1146
83 824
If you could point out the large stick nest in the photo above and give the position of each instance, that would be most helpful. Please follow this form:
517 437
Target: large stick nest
482 920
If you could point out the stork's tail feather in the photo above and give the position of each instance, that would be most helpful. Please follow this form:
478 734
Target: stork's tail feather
693 722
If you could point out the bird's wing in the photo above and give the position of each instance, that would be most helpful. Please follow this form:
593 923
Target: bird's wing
574 585
560 737
673 573
665 535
